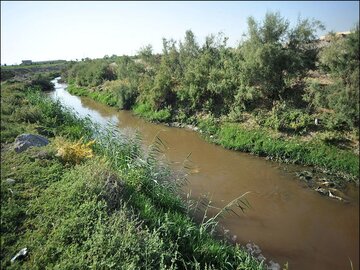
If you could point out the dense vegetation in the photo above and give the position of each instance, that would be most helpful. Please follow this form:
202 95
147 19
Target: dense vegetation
25 72
278 80
79 203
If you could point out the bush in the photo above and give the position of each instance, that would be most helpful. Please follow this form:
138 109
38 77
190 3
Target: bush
286 119
42 83
146 111
209 125
31 114
74 153
123 92
6 74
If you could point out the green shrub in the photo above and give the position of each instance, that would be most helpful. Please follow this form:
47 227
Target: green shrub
209 125
41 82
286 119
146 111
6 74
124 94
31 114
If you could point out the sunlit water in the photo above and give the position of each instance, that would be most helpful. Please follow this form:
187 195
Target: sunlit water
289 222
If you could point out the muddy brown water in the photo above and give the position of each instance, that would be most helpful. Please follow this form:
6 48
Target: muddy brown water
289 222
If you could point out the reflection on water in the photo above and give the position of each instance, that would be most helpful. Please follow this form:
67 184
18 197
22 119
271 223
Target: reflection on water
80 106
288 221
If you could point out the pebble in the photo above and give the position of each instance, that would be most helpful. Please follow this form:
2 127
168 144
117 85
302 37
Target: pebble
10 181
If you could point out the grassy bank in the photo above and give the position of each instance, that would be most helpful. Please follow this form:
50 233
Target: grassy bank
102 97
115 208
259 142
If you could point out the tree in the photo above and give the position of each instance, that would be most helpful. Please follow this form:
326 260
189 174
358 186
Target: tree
274 57
341 61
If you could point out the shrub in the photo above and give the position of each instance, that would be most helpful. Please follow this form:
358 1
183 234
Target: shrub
209 126
146 111
42 83
286 119
74 153
7 74
30 114
123 92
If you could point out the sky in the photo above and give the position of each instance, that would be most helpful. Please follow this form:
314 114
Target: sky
40 30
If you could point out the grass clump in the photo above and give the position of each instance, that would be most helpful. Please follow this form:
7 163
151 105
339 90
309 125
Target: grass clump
145 110
74 153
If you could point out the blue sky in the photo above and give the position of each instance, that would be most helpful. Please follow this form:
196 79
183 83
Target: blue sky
74 30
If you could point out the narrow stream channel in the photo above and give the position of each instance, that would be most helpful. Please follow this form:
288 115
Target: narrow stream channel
290 223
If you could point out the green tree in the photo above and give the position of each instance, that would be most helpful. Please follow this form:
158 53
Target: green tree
275 57
341 61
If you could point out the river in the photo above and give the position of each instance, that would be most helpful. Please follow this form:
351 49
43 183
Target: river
290 222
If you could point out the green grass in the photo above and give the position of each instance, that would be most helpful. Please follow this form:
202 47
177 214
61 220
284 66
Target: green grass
145 111
104 97
120 209
314 153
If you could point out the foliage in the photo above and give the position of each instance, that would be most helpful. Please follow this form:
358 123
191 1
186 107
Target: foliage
284 119
341 61
275 56
123 90
209 125
26 110
74 153
42 82
291 150
6 74
147 112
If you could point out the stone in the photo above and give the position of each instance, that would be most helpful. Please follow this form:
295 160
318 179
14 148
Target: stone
10 181
20 255
24 141
322 191
253 249
273 266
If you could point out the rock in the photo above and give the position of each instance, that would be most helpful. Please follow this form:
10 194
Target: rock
261 258
24 141
335 197
337 194
322 191
273 266
20 255
10 181
305 175
253 249
325 183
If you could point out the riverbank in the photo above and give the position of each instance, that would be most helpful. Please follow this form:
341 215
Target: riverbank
341 166
76 202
